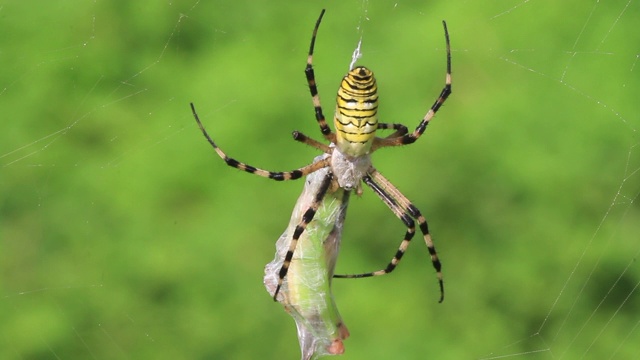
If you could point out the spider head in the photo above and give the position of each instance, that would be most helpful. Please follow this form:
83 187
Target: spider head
356 117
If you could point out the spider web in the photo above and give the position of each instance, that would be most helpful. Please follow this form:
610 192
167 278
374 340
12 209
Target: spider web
122 235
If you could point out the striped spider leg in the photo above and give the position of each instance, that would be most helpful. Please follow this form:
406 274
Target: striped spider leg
407 212
406 139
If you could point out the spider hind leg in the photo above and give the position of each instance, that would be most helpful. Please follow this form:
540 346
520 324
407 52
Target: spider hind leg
407 212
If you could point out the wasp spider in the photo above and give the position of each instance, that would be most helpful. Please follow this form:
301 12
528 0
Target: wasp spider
349 159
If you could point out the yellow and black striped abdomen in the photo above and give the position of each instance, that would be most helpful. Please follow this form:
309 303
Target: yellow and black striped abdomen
356 118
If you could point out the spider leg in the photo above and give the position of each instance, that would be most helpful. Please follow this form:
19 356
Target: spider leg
279 175
300 228
407 212
298 136
415 135
400 129
313 87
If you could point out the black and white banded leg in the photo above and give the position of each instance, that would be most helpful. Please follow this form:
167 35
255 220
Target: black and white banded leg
300 228
275 175
406 212
422 126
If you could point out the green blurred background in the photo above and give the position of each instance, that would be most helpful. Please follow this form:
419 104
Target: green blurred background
124 236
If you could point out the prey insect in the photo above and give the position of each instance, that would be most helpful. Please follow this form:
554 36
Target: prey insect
306 291
348 157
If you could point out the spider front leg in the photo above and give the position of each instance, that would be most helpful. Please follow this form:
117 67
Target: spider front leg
422 126
313 87
300 228
275 175
407 212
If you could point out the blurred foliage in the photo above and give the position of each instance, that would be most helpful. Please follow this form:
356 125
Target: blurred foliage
123 235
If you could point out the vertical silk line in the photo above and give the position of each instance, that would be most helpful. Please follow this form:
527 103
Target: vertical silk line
357 54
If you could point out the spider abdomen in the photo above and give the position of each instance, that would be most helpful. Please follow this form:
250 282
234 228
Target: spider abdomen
356 117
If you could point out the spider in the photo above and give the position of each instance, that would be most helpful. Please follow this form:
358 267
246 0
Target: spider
349 156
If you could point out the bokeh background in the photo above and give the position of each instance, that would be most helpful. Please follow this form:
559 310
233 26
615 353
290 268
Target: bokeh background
124 236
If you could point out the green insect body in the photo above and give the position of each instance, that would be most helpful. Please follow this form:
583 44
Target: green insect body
306 291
